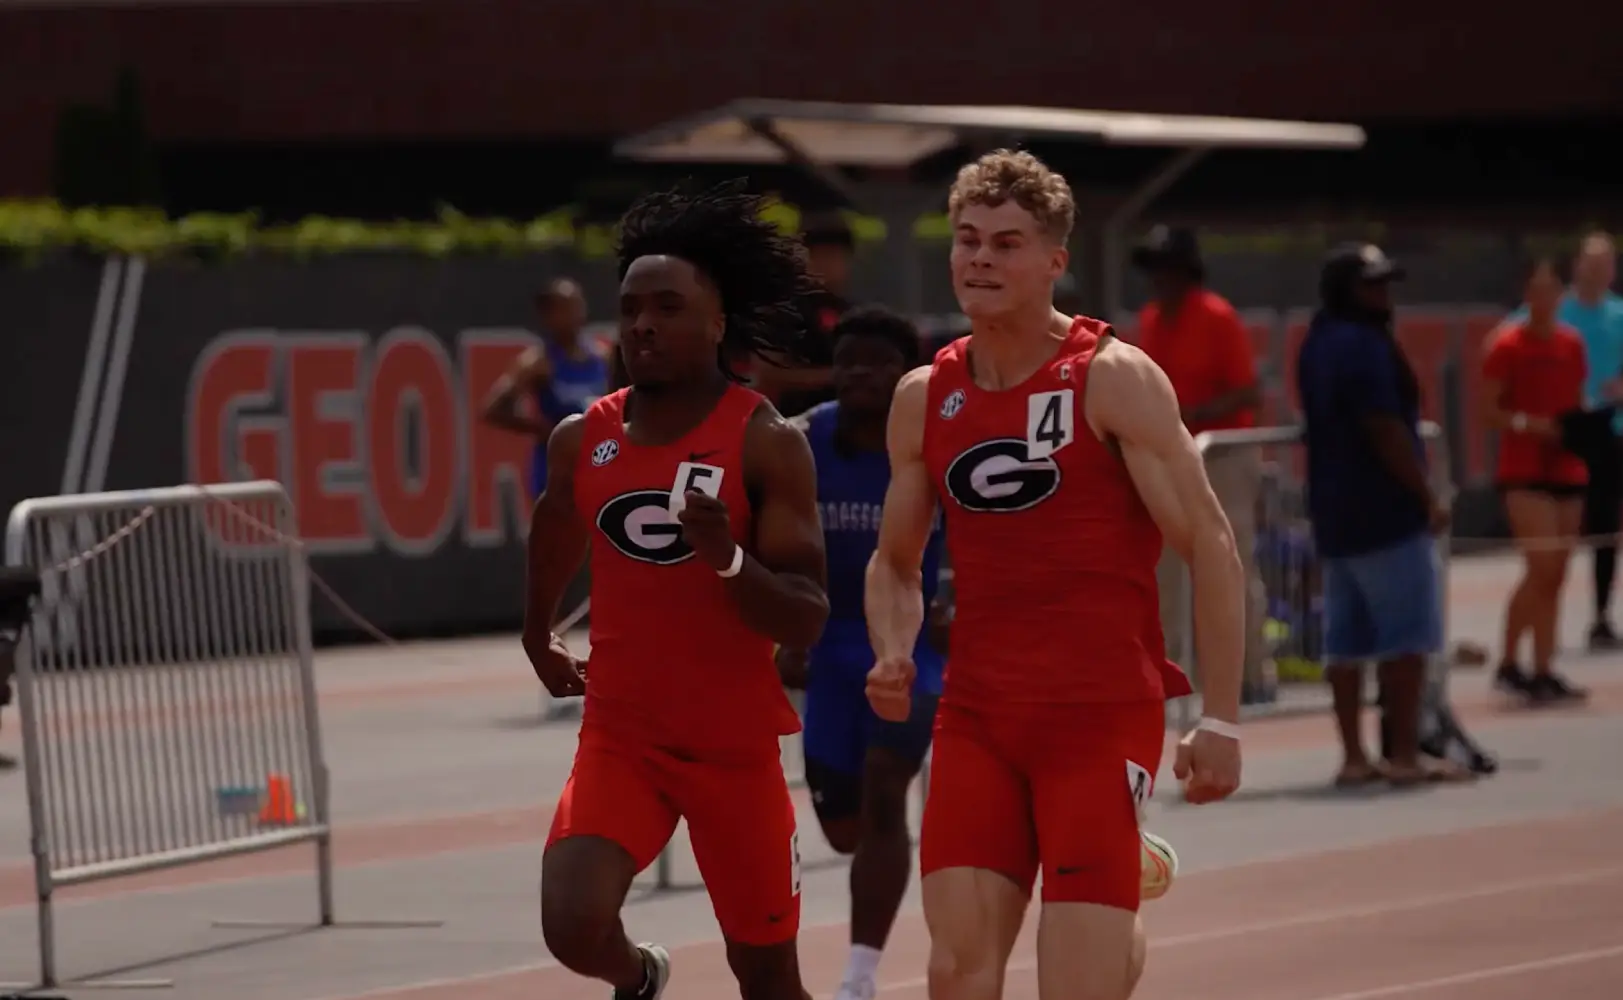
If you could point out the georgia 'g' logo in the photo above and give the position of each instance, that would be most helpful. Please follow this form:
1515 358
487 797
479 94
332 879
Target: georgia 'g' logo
995 477
640 525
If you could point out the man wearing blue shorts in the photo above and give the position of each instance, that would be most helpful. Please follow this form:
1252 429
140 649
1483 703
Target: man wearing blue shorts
1373 511
859 767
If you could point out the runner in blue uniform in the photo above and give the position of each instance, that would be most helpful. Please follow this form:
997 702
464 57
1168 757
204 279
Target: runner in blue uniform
857 766
563 376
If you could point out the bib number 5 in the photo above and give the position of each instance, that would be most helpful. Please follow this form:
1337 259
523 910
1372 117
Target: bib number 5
1050 422
697 477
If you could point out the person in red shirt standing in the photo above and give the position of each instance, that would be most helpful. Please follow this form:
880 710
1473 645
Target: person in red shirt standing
1059 458
1197 338
1533 377
698 504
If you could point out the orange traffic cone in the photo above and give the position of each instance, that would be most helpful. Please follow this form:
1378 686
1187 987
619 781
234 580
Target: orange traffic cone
279 809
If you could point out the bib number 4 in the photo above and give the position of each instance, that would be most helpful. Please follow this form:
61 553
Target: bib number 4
1050 422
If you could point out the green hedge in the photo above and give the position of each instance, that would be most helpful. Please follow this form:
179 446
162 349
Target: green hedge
32 229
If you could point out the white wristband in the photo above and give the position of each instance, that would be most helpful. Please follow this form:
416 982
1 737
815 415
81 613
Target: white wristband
1219 727
736 566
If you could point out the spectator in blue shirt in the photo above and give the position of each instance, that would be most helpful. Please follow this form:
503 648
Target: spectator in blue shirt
1373 512
1591 308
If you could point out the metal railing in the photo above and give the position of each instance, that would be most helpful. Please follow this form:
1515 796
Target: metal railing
1286 624
166 689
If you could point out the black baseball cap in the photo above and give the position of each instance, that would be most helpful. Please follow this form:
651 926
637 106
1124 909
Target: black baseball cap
561 290
1170 248
1361 262
826 229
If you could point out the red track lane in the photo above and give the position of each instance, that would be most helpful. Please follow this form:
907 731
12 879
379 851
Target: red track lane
1496 913
414 838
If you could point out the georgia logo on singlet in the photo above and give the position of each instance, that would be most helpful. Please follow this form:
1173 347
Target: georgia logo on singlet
995 477
1009 474
640 525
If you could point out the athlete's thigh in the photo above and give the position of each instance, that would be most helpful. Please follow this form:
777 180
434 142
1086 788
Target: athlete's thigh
832 737
908 740
977 813
1088 784
741 822
614 792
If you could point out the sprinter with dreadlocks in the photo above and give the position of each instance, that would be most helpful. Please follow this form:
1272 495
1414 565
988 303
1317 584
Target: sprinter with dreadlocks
700 505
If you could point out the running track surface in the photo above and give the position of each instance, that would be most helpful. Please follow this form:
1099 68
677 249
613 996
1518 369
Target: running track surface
442 788
1414 918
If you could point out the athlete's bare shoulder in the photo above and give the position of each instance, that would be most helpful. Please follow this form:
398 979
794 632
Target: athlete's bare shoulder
1119 357
913 390
564 443
1125 388
772 442
767 423
904 435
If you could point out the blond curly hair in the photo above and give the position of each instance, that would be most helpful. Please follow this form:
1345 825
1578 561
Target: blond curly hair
1007 175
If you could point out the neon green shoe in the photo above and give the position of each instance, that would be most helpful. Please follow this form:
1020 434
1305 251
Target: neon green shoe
1158 865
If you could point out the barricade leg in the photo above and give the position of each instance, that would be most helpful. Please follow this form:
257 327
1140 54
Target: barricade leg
662 870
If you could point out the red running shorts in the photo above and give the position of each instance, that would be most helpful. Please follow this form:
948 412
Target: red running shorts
741 823
1055 788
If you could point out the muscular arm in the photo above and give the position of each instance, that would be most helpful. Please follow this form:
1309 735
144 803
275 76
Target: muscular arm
558 537
528 373
780 592
894 600
1130 400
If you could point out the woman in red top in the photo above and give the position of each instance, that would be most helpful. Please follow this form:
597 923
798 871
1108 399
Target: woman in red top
1533 376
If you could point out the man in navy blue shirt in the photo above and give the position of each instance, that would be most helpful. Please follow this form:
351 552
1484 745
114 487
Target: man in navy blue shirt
1373 511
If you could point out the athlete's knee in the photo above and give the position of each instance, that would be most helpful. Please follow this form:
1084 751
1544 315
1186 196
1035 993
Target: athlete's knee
969 940
766 972
965 969
583 886
837 799
843 833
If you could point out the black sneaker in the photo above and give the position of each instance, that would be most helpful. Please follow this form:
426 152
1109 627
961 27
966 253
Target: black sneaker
656 963
1511 679
1601 637
1549 688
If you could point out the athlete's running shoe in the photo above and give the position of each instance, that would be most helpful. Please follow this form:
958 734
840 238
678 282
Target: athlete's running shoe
1158 866
657 963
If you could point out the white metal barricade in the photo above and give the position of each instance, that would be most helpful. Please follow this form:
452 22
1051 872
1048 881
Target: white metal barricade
1283 567
165 687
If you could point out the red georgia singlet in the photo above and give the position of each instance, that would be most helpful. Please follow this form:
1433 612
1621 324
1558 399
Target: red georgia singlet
1053 552
672 663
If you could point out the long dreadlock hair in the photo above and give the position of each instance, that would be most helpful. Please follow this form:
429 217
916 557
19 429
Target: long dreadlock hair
759 272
